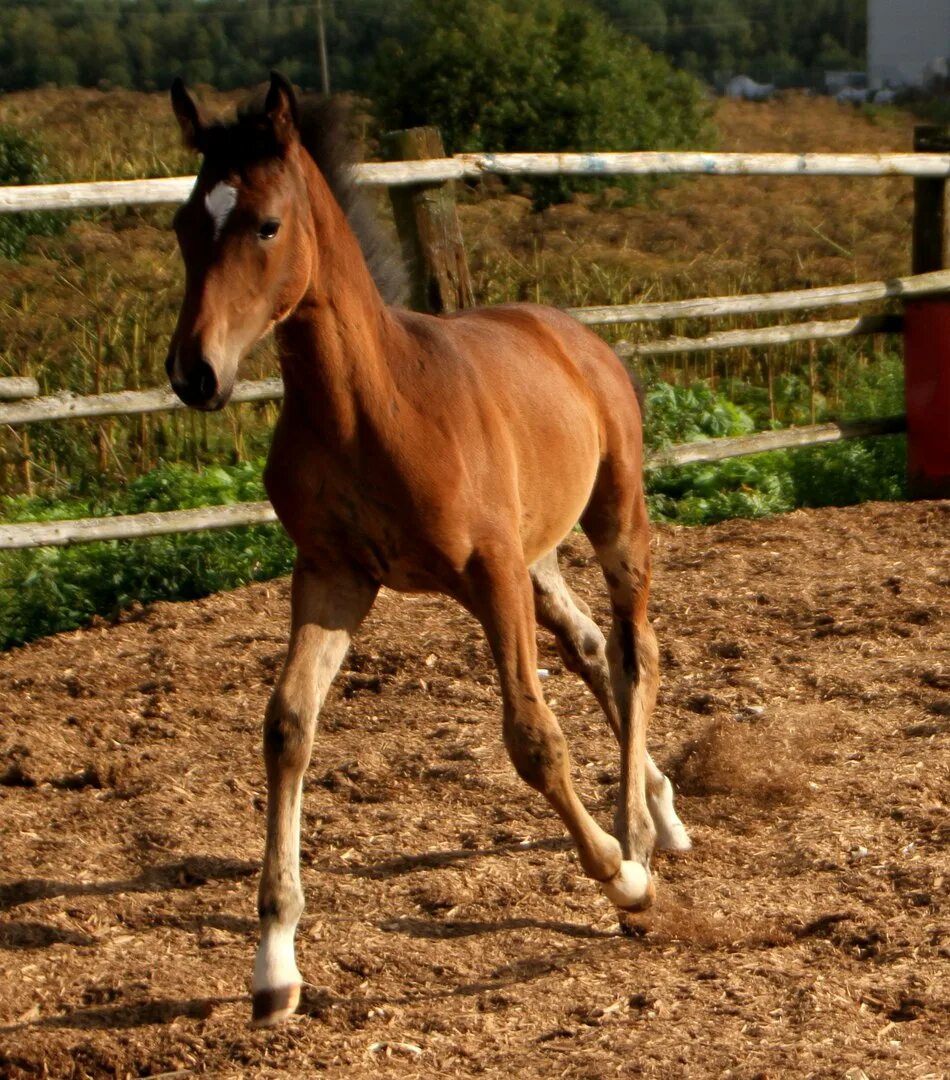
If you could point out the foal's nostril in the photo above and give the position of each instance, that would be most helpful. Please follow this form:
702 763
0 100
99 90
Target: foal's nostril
205 380
196 385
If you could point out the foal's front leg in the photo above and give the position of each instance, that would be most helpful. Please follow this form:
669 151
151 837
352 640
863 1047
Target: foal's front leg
326 608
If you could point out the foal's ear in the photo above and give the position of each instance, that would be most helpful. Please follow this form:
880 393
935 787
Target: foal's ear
280 108
188 114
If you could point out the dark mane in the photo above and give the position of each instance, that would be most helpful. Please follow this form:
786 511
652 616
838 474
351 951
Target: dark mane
324 125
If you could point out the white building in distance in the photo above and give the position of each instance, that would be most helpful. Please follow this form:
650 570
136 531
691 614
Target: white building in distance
907 40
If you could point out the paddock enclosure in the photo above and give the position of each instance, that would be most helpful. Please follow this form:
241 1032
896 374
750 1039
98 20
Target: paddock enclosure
803 716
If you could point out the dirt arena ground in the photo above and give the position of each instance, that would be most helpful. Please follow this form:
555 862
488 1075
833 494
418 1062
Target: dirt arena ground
804 718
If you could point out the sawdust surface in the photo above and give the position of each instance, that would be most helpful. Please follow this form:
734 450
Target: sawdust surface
804 718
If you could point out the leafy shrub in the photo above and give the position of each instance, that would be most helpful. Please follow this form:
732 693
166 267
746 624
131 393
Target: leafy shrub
678 414
23 162
840 474
740 487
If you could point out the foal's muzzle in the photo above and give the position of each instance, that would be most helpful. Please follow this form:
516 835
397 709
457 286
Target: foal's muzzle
198 386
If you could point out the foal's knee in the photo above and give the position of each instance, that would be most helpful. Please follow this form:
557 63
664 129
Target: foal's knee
538 750
286 733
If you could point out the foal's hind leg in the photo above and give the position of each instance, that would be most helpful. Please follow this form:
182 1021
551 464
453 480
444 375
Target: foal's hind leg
584 651
499 594
325 610
616 523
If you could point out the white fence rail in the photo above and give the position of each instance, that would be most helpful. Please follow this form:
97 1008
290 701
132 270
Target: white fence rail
134 526
905 288
123 403
471 166
15 387
766 336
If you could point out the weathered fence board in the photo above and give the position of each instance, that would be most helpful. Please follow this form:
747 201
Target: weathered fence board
123 403
701 163
174 189
471 166
16 387
134 526
764 303
768 335
814 435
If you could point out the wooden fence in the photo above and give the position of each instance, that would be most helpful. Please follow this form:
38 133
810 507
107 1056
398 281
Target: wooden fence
425 170
925 296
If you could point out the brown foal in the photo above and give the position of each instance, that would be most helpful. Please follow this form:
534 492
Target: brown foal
445 454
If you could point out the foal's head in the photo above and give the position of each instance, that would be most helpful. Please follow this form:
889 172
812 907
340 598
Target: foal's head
246 237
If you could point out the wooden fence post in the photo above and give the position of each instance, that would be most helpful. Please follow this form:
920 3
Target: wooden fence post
927 334
428 227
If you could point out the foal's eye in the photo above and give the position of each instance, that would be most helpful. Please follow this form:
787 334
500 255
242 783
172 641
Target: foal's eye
269 229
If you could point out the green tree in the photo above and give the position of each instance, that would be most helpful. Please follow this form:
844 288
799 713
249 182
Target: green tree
643 19
549 75
146 43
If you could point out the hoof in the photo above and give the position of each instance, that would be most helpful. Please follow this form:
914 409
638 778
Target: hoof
274 1006
631 888
674 838
630 925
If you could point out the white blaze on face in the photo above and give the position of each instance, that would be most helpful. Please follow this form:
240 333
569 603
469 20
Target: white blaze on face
220 202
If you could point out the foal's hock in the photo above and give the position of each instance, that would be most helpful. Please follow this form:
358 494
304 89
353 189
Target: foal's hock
446 454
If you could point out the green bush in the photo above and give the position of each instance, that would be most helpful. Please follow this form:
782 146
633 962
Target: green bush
23 162
678 414
840 474
546 75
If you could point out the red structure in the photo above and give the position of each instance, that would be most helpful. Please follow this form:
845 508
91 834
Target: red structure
927 388
927 334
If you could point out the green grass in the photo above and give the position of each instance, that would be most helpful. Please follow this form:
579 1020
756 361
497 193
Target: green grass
840 474
48 590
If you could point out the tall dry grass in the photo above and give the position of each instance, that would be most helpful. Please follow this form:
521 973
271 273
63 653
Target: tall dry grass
92 310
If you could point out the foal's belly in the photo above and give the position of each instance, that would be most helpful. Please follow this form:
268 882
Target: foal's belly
555 484
385 541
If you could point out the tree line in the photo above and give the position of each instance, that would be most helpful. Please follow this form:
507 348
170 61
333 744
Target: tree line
145 43
784 41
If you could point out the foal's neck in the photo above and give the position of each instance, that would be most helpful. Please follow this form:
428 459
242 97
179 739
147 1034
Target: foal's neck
332 347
